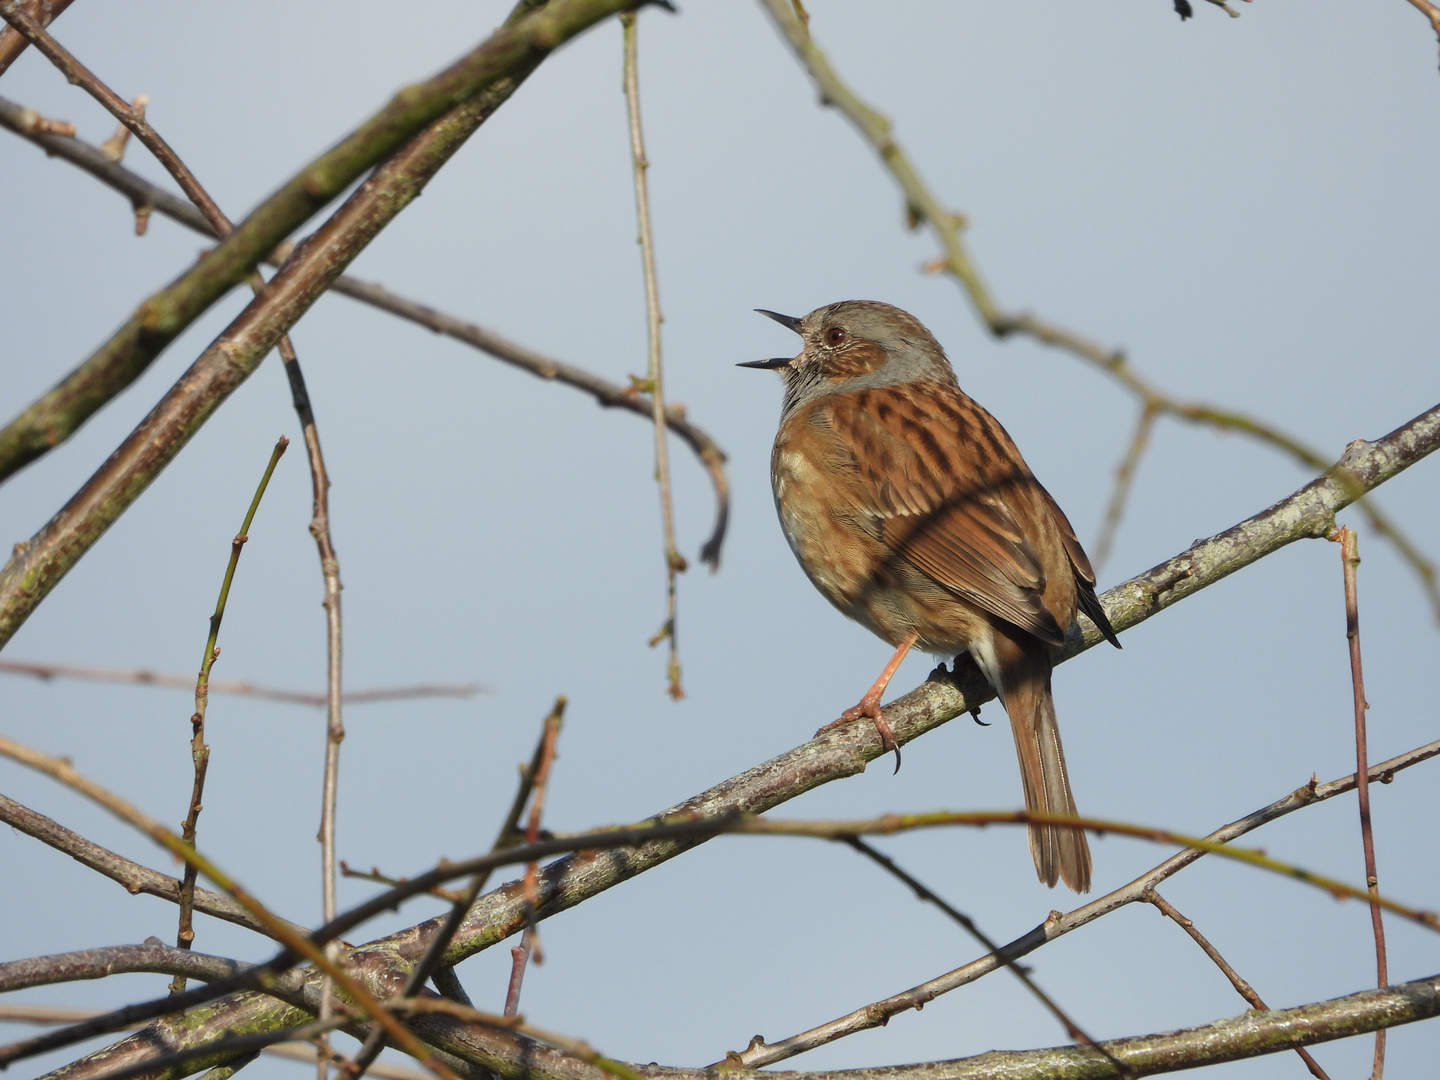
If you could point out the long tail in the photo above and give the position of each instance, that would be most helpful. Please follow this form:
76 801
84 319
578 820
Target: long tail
1060 853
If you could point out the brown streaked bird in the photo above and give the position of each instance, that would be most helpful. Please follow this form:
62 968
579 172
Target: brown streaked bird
912 511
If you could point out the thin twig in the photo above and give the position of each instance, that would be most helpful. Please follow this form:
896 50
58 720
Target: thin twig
199 751
145 195
1243 988
925 893
122 110
1124 479
508 836
654 383
530 939
334 726
61 770
374 874
145 677
922 206
1425 7
1350 559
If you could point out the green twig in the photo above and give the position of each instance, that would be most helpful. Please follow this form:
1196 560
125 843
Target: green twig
199 752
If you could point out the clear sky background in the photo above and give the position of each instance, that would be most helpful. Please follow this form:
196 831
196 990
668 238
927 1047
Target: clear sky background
1246 205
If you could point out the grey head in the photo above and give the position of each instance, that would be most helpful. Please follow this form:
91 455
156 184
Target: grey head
856 345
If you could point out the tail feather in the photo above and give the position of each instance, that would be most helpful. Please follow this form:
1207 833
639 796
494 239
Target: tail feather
1060 853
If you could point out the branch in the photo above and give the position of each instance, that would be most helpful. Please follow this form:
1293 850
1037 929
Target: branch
37 566
143 194
153 956
13 43
136 878
146 677
507 57
922 205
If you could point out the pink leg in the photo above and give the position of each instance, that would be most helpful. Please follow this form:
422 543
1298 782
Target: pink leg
869 707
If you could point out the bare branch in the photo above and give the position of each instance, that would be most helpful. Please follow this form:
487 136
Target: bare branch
136 878
922 206
13 43
146 677
489 72
28 124
1243 988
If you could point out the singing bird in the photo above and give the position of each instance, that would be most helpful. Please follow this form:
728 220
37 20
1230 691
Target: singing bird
910 508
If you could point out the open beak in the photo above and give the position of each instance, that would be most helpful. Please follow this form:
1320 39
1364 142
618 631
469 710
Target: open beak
789 321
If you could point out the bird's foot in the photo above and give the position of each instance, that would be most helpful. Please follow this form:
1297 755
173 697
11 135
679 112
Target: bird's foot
869 709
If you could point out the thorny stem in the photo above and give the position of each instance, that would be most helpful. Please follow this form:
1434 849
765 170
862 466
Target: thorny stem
1350 559
199 752
654 378
923 206
1243 988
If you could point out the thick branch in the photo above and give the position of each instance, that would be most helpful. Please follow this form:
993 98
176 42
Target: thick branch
38 565
153 956
509 54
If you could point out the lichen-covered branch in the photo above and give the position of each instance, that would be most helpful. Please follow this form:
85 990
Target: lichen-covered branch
508 55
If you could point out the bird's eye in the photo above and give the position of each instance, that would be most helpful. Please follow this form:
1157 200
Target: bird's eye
835 335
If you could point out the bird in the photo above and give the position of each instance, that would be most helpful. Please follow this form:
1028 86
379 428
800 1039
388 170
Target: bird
911 510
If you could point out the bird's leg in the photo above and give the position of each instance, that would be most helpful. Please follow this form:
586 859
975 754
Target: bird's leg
869 707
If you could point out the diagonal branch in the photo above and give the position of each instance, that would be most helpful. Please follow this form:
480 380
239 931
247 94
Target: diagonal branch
922 206
506 57
143 194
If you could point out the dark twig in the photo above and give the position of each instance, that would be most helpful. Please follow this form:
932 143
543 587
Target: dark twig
199 751
127 114
530 939
143 194
922 206
925 893
1243 988
1350 559
654 383
145 677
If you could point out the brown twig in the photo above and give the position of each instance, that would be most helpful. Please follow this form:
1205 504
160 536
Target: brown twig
13 43
432 962
136 879
127 114
922 206
66 774
530 940
199 751
1350 559
1243 988
1425 7
1124 479
374 874
654 383
145 195
145 677
925 893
